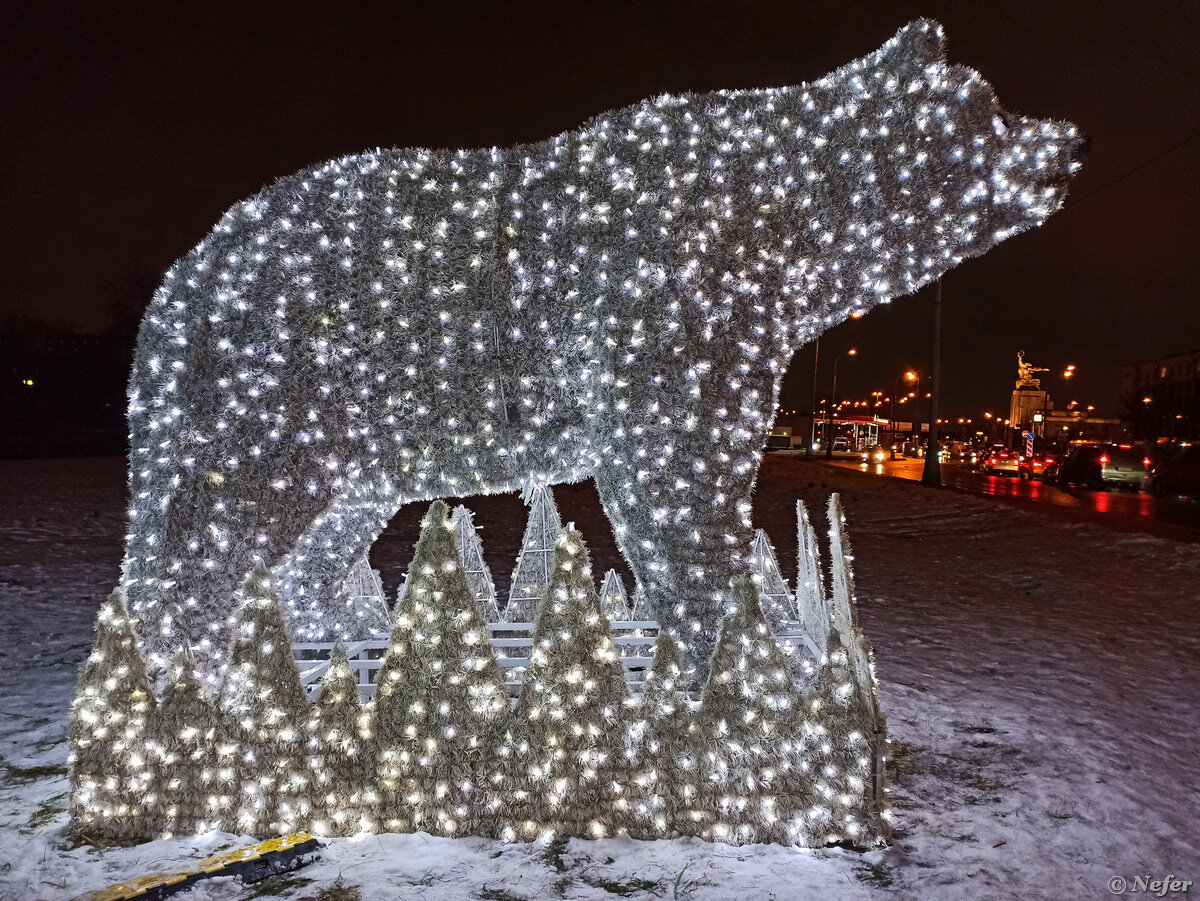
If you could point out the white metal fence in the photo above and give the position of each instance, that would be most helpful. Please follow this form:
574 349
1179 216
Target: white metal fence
511 643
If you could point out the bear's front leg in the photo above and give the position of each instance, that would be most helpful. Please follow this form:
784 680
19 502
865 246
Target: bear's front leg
682 522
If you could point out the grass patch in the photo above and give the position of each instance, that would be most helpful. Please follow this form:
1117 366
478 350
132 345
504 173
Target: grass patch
33 773
496 894
624 888
552 855
872 874
685 887
336 892
277 885
44 814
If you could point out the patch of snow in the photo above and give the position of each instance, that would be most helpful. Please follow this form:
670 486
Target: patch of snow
1039 680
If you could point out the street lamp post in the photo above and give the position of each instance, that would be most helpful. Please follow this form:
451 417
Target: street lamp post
932 474
812 407
833 401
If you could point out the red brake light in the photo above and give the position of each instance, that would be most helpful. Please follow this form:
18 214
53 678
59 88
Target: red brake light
1146 461
1104 458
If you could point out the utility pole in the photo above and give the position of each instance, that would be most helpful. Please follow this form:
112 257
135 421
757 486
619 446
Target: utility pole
932 474
833 401
812 407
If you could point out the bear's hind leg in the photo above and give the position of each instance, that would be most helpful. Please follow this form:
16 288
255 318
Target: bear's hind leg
312 573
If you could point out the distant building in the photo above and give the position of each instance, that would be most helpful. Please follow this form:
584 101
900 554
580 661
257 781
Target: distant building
1161 397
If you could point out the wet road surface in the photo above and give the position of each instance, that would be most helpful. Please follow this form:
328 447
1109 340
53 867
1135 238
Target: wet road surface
1176 517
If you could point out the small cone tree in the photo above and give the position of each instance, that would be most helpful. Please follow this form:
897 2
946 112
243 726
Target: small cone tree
112 788
845 808
440 703
812 605
664 786
776 599
535 562
573 711
479 576
753 780
184 738
853 664
613 600
340 759
360 609
264 697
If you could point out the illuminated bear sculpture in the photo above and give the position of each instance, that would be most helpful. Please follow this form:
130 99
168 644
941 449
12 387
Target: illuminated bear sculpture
617 302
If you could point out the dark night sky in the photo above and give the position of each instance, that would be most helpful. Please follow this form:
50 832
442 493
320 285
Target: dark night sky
127 131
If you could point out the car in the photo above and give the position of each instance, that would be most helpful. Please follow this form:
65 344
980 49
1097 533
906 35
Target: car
1178 472
1096 466
1081 466
1034 467
1001 460
873 453
1125 466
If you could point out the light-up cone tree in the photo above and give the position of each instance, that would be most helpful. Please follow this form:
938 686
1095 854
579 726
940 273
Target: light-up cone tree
859 669
754 785
360 610
341 759
843 604
845 778
479 576
263 695
111 769
663 788
185 733
535 562
812 603
440 703
613 599
572 715
777 604
639 609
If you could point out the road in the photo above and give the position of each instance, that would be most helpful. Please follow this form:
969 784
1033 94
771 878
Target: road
1177 518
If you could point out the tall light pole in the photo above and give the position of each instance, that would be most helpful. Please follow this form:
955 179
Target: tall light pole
932 474
812 407
833 400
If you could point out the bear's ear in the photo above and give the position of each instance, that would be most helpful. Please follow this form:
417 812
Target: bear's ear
922 41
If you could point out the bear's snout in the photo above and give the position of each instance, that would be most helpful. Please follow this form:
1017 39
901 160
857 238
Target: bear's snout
1081 148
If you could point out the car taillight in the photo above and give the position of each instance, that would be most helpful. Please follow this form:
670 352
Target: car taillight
1104 458
1146 461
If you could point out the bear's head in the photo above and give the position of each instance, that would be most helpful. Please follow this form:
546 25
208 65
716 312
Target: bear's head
937 169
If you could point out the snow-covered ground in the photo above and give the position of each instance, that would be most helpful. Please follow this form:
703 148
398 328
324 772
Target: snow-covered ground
1039 677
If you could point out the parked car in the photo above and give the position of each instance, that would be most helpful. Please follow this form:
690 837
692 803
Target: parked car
1001 460
1035 467
1095 466
1177 473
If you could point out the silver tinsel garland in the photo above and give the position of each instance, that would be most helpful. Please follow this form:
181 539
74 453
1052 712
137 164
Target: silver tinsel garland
619 301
